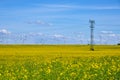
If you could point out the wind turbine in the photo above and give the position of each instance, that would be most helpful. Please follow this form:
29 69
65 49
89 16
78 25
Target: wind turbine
4 35
79 37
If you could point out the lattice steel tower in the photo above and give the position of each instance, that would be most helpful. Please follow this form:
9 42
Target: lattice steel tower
92 22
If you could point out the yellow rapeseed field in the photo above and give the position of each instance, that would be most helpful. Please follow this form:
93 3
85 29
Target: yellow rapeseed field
59 62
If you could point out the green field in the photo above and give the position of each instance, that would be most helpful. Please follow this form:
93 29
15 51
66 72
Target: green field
59 62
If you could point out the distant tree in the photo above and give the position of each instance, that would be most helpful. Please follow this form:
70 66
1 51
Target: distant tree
118 44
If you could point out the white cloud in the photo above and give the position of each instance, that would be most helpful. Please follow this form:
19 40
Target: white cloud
42 23
58 36
65 6
98 7
106 32
4 31
33 34
39 22
56 6
112 35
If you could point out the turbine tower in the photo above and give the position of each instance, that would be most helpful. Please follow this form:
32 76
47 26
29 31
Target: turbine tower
92 22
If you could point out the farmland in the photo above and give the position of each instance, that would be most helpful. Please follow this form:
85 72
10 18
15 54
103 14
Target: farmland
59 62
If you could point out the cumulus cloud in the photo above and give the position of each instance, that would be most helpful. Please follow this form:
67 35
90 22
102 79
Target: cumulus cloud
108 33
4 31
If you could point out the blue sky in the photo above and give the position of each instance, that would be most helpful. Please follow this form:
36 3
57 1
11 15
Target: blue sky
59 16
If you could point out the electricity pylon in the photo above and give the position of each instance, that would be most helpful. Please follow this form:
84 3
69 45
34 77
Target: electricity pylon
92 22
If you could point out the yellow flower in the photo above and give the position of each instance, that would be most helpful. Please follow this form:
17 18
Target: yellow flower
114 68
95 65
61 74
25 77
48 70
73 74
